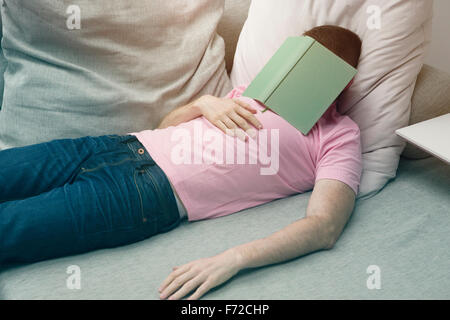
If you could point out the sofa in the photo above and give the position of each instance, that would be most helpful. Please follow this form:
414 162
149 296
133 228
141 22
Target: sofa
402 232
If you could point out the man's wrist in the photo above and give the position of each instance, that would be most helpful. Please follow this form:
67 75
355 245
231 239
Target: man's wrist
197 106
238 257
182 114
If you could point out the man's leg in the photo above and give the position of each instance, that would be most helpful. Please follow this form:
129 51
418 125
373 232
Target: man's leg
119 197
75 218
32 170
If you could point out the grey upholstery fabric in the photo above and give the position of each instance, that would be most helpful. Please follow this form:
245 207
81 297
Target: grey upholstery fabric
234 15
2 66
403 230
122 71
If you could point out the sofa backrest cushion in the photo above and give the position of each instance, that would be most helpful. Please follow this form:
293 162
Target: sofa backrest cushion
2 67
395 36
431 99
230 26
84 67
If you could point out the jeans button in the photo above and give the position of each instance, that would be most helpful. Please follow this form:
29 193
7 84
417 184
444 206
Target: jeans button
144 220
141 151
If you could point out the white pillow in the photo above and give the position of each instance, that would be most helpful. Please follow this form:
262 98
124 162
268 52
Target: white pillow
379 101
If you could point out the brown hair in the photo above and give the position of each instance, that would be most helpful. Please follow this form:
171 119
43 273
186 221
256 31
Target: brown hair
342 42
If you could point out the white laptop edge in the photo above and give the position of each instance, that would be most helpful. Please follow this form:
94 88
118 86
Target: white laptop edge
437 128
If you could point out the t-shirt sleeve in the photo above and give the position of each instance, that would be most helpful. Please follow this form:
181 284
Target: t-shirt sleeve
339 158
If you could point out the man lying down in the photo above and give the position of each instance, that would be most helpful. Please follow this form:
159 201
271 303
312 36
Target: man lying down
71 196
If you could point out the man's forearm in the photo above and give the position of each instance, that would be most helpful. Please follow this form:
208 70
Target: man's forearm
328 211
299 238
181 114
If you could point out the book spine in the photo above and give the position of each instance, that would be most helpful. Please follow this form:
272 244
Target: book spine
296 50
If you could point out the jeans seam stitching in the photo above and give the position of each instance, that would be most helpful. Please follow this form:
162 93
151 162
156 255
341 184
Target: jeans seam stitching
105 164
140 195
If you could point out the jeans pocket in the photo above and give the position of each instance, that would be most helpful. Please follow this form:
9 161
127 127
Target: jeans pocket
103 161
149 201
166 212
106 199
136 173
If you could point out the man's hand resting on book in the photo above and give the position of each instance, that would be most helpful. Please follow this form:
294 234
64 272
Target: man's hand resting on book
229 115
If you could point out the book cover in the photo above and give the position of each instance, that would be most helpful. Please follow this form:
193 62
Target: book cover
300 81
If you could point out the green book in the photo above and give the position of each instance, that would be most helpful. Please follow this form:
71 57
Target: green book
301 81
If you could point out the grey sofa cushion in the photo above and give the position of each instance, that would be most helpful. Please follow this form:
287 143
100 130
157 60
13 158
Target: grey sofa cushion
403 230
125 67
230 26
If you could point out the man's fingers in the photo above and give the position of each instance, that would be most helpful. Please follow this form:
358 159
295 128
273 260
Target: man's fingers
239 121
172 276
219 124
228 122
233 129
243 124
247 112
225 125
186 288
177 283
245 105
205 287
249 117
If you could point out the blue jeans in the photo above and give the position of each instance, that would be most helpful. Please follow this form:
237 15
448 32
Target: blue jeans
71 196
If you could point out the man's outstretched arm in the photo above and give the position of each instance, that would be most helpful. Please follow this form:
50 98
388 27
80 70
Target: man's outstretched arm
329 209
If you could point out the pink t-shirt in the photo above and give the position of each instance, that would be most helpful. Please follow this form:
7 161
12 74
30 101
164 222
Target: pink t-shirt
215 174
